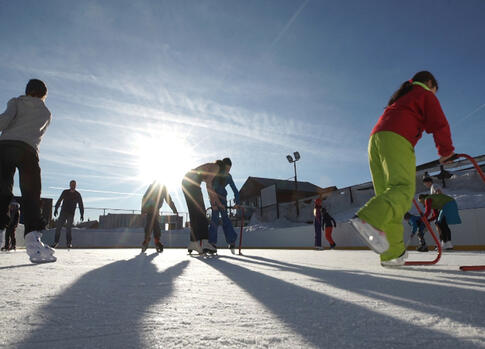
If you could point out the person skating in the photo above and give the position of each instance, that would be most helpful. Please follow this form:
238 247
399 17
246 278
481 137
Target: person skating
434 189
417 225
220 184
328 224
412 109
152 202
14 214
199 230
70 199
23 124
447 214
317 223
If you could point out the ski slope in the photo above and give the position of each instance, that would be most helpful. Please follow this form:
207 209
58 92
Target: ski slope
116 298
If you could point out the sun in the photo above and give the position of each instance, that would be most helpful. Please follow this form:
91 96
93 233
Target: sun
166 158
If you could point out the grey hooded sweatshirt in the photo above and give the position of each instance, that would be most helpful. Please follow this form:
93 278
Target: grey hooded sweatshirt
26 120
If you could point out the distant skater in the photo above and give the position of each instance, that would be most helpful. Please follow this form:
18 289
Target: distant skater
317 223
191 185
70 199
412 109
23 124
14 214
417 225
328 224
322 221
447 214
152 202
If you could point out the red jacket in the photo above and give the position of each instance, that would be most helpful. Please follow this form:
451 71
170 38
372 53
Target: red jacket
417 111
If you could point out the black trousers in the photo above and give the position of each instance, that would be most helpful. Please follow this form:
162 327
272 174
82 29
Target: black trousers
67 219
10 240
153 224
199 225
19 155
445 230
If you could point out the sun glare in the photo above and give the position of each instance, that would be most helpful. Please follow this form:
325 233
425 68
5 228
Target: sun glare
165 159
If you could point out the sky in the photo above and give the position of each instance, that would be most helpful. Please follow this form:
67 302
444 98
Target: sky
143 90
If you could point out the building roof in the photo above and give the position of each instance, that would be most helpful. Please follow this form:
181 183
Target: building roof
253 185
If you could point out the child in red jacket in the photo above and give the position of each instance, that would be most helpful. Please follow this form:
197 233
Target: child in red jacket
412 109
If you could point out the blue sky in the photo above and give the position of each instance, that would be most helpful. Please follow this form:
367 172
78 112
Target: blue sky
144 89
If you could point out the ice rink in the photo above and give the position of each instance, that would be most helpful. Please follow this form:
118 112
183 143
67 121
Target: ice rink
117 298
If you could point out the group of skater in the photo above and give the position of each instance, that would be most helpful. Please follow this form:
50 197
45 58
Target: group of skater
203 234
412 109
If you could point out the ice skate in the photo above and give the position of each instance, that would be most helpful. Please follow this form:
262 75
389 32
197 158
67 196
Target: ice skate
232 247
159 246
144 246
422 248
36 250
396 262
207 247
318 248
448 246
374 238
195 246
332 246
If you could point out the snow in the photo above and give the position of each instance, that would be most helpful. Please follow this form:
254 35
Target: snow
116 298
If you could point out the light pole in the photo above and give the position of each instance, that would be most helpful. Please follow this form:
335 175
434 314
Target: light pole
291 160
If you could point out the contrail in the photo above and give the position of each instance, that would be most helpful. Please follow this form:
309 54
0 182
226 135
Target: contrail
473 112
290 22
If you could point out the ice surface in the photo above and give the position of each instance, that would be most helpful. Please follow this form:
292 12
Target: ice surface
110 298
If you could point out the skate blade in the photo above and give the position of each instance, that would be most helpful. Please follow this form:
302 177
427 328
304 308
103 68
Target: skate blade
43 260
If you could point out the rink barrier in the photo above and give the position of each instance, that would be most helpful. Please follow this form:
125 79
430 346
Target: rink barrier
482 175
242 229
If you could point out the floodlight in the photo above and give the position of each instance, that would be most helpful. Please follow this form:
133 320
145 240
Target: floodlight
297 155
290 159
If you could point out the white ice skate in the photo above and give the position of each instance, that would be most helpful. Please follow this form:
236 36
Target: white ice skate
396 262
195 246
448 246
207 247
36 250
374 238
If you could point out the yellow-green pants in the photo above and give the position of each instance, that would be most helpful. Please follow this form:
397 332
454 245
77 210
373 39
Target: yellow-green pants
393 167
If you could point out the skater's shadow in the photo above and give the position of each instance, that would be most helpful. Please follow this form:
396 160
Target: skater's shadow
105 308
335 317
18 266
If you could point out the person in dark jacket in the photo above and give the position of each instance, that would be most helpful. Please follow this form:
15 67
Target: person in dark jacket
328 223
151 204
14 213
70 199
220 184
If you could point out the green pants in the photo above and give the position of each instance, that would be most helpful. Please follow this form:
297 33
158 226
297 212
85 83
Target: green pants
393 167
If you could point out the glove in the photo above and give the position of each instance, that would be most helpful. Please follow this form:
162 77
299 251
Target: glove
55 213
